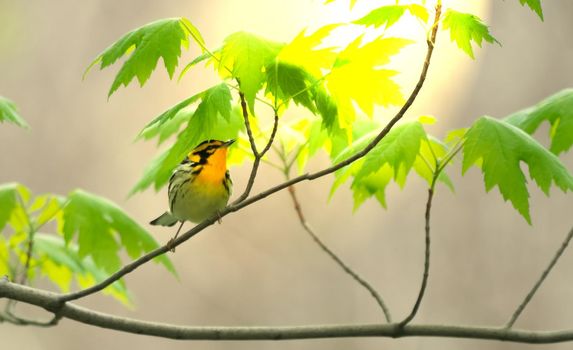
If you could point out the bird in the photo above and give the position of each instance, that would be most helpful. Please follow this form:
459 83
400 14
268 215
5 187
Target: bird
199 187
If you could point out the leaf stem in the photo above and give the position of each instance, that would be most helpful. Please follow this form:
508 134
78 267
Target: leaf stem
204 47
263 101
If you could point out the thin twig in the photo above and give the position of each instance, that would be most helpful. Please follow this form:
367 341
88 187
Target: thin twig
258 155
28 257
248 125
29 252
30 246
426 254
355 276
541 279
8 316
273 134
244 201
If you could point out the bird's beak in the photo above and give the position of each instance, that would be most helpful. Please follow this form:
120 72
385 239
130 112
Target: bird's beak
228 143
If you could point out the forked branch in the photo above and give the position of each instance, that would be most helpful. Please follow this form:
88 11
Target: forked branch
355 276
258 155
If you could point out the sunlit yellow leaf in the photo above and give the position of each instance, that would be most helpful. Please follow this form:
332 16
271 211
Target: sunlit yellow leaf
58 274
427 119
302 51
357 77
4 258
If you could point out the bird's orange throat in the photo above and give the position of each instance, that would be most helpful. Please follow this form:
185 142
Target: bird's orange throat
215 168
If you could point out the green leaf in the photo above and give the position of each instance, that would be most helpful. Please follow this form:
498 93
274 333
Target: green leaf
558 111
53 250
169 121
358 78
316 137
374 184
399 148
203 125
388 15
45 208
14 198
425 166
245 56
534 5
99 223
8 202
391 158
500 148
9 113
286 82
210 58
327 108
214 101
465 28
159 39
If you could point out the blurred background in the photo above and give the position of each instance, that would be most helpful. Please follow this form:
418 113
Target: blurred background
259 267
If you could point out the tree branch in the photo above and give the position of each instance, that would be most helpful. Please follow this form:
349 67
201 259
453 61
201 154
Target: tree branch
355 276
244 200
51 302
541 279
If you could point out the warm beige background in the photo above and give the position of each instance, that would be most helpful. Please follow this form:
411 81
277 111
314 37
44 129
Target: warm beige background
259 268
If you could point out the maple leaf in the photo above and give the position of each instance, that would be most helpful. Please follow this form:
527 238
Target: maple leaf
9 113
159 39
388 15
357 77
534 5
500 148
465 28
244 57
558 111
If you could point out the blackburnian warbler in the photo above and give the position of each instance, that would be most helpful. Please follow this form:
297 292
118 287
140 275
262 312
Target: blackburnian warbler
199 187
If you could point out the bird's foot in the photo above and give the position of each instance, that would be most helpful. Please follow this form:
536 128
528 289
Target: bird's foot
171 245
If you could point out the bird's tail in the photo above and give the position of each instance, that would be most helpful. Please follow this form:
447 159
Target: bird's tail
166 219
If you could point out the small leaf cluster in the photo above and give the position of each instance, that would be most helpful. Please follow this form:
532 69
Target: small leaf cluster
9 113
498 147
39 239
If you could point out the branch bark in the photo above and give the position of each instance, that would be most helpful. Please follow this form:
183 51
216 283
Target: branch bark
51 302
